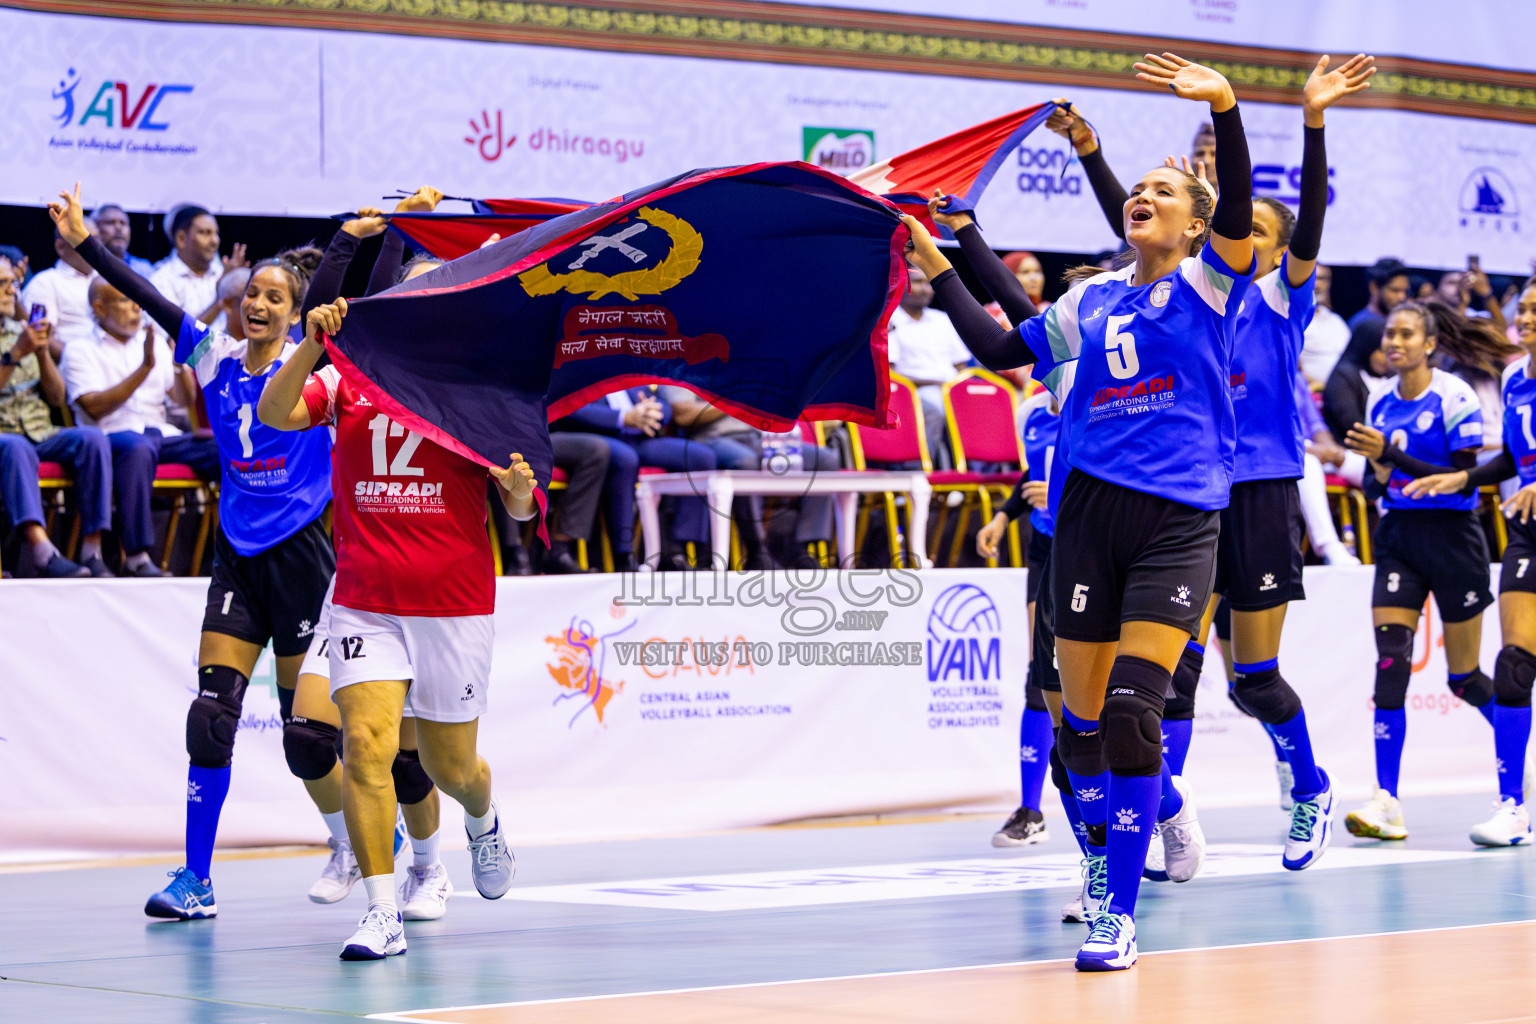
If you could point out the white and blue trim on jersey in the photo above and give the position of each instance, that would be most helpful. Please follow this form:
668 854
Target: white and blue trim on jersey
273 482
1445 419
1041 429
1271 323
1519 391
1143 378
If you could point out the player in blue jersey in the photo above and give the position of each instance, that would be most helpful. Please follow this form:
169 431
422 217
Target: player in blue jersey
1515 668
1140 359
1428 423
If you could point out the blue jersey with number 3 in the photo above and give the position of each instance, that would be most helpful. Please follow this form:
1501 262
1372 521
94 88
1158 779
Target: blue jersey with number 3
1143 376
274 482
1444 419
1519 411
1042 428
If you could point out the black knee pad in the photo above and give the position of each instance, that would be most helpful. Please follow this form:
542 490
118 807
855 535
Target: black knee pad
285 703
310 748
1082 753
1394 666
1132 721
1513 674
1266 695
1034 698
1476 689
1059 777
412 784
214 716
1180 702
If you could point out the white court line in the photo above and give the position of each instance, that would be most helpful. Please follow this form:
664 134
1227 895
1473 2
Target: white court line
409 1016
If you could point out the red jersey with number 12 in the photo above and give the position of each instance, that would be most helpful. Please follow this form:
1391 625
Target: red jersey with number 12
410 514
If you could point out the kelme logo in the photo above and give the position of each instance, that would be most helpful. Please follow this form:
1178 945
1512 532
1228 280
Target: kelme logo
842 150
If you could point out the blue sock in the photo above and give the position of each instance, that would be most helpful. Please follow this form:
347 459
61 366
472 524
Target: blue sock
1487 712
1171 801
1294 744
1456 678
1075 816
1390 728
1511 733
206 790
1133 806
1281 754
1176 736
1035 741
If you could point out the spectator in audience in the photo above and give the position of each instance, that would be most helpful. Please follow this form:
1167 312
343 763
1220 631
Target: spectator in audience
1360 372
924 348
118 380
584 457
1326 336
1457 289
739 445
231 291
62 291
190 278
631 422
29 383
1387 282
1203 151
116 233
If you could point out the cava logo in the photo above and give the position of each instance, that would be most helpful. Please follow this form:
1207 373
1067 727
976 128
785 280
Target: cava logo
843 150
963 640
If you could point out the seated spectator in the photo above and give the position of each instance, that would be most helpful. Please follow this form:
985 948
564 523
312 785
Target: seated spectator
61 290
118 380
29 383
190 278
1360 372
116 233
924 348
630 422
231 291
585 458
739 445
1326 336
1387 282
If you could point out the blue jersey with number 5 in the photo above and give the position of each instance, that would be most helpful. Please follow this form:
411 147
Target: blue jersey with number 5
1519 410
273 482
1143 377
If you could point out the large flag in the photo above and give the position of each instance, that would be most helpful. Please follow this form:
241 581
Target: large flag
753 286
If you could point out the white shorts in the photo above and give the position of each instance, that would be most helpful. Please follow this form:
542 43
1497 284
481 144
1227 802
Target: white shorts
317 661
446 659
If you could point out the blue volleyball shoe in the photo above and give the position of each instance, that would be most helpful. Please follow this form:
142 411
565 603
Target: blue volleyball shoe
185 899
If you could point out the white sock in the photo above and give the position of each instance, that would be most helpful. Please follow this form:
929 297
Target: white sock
1314 506
136 559
424 851
337 823
90 549
381 891
478 827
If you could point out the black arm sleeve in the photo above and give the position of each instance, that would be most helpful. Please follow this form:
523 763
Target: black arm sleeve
1343 399
325 286
387 267
1465 458
1307 236
995 275
126 280
996 348
1494 471
1107 190
1234 204
1016 506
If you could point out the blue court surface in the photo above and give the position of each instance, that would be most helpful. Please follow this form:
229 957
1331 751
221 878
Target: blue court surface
748 908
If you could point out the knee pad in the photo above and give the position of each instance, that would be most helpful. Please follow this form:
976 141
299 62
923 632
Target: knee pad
285 703
310 748
1513 674
214 716
1394 666
1059 777
1132 721
1180 702
412 784
1476 689
1034 699
1264 694
1081 753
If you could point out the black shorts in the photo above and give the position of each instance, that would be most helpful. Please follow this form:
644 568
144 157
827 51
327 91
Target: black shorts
1258 559
274 595
1043 672
1039 550
1519 572
1432 551
1124 556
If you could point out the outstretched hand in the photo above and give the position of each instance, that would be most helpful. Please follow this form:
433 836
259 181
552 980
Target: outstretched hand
369 221
423 200
1435 483
953 221
922 252
1324 88
517 479
1198 171
69 217
1188 80
325 320
1069 124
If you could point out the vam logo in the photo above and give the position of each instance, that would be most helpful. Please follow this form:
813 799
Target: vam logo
1487 200
963 640
843 150
113 106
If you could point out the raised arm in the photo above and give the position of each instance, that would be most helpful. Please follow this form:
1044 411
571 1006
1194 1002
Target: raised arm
996 348
1324 88
69 217
1069 124
995 276
282 404
387 267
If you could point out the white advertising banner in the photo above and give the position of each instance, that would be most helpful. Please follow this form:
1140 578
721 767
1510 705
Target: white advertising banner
152 114
641 705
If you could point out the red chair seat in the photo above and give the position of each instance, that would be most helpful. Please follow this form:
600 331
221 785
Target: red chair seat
1334 480
651 470
559 476
953 476
51 471
175 471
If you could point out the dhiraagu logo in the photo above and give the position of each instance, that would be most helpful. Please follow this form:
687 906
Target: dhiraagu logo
842 150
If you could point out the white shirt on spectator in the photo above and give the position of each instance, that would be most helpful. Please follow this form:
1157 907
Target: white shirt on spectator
100 362
66 293
925 349
193 292
1325 339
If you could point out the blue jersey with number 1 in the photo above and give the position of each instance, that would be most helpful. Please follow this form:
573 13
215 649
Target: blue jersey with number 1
1519 410
274 482
1151 405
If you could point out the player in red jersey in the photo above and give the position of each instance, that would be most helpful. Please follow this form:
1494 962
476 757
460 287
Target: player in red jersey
410 618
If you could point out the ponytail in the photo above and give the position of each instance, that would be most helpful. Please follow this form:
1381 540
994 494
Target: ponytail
1202 206
299 264
1470 343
